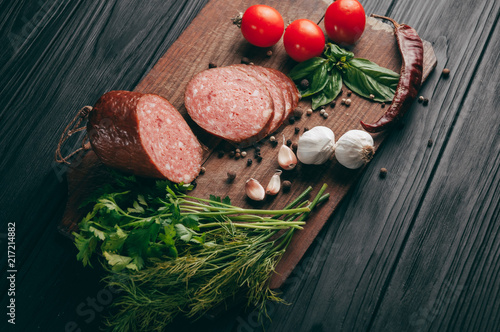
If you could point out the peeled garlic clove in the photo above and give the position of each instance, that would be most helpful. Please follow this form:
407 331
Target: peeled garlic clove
354 149
286 158
254 190
316 146
274 184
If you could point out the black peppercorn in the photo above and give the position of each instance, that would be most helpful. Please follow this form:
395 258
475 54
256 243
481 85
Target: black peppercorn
304 83
231 175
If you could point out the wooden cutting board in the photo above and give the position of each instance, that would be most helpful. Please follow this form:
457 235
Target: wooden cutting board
212 38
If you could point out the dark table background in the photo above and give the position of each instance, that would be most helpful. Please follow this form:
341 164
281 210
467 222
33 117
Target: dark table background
417 251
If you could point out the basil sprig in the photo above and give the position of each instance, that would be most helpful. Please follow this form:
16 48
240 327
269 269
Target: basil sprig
325 77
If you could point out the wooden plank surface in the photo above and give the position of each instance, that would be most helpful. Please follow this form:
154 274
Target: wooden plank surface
213 31
417 251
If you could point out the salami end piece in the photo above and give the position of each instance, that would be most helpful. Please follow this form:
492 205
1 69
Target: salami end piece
145 135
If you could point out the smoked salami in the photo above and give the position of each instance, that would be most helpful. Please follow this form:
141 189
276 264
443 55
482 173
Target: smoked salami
229 103
145 135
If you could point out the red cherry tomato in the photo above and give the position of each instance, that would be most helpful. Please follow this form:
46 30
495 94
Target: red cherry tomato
262 25
345 21
303 40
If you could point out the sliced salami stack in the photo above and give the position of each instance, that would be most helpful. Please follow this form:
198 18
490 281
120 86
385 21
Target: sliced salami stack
145 135
240 103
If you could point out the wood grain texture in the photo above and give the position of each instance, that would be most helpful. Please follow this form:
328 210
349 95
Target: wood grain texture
417 251
357 258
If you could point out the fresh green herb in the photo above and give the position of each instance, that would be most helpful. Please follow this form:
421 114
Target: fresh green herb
170 253
325 76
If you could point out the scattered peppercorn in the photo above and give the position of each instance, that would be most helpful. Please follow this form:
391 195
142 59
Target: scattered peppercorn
288 142
291 120
297 113
382 105
332 104
446 73
322 111
212 65
237 155
231 154
383 173
429 143
325 115
257 149
237 151
348 102
203 170
294 146
269 53
259 159
425 102
343 101
349 93
372 96
304 83
309 112
220 154
286 186
274 143
421 99
272 139
249 162
245 60
297 130
243 154
231 175
306 129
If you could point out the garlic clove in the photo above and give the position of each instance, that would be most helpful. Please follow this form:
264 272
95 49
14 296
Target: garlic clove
274 184
254 190
286 158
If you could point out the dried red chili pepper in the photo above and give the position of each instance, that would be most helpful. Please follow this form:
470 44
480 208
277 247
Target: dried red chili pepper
412 53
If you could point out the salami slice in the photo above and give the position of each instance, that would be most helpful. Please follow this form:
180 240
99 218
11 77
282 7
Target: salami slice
145 135
291 88
277 94
229 103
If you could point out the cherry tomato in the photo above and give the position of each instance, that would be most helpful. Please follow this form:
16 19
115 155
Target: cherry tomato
345 21
262 25
303 40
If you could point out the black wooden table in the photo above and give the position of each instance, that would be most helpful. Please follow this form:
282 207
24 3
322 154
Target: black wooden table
418 250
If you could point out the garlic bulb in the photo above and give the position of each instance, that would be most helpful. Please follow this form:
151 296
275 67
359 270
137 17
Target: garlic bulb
316 145
254 190
354 149
286 158
274 184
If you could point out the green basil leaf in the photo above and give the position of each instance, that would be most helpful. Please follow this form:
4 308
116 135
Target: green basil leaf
333 50
365 77
330 91
305 68
317 81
